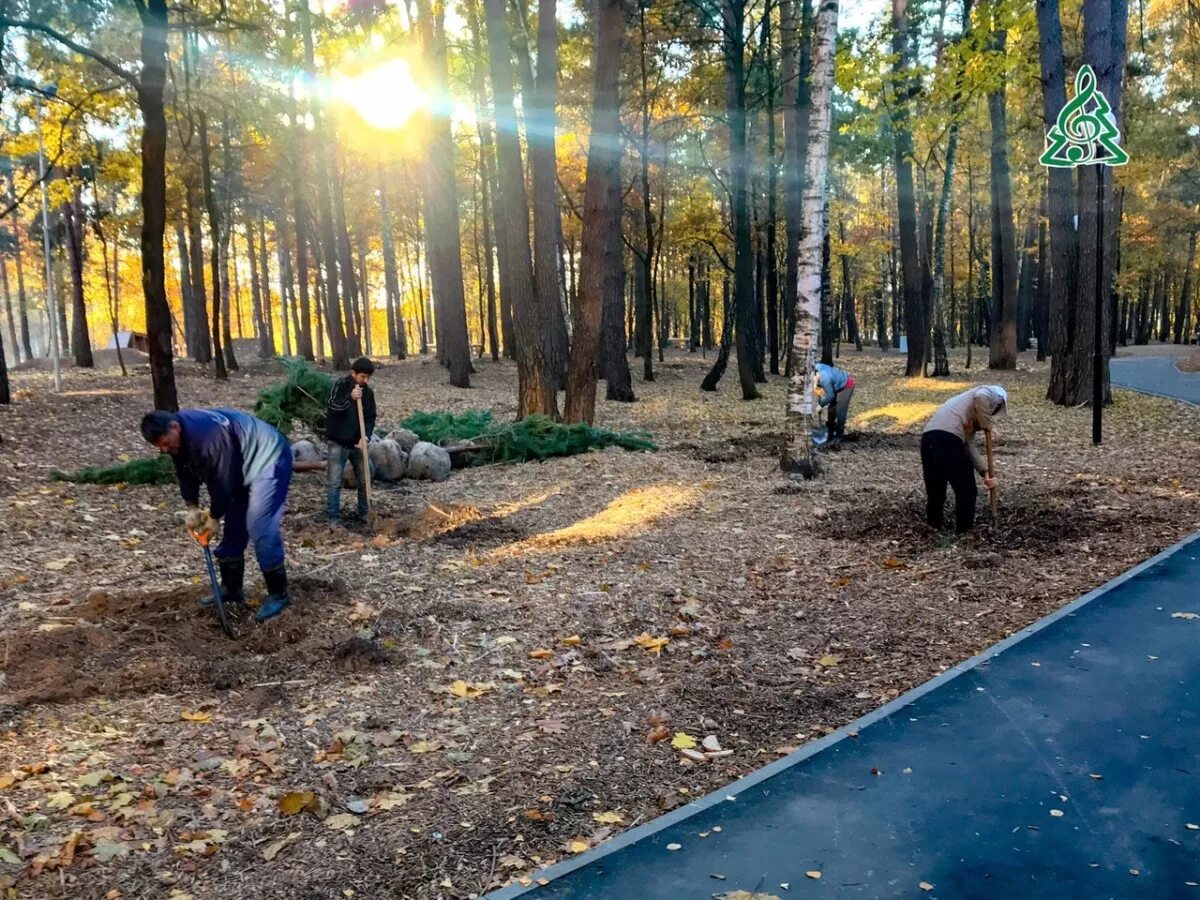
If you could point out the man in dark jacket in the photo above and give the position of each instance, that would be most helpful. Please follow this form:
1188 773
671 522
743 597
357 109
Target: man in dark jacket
346 442
247 467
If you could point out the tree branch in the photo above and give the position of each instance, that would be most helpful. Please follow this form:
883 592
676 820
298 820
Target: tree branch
75 46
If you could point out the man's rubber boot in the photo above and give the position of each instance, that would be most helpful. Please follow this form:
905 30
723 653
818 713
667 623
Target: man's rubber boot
233 575
277 594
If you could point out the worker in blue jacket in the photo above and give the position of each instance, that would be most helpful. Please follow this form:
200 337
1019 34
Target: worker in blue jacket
246 465
837 387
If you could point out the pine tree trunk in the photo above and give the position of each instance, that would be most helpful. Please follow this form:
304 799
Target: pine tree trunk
8 309
214 225
910 259
1025 288
260 326
22 298
1041 311
733 14
536 389
1184 311
540 129
713 378
1003 343
397 338
600 275
81 341
154 201
199 292
328 242
265 274
299 151
797 453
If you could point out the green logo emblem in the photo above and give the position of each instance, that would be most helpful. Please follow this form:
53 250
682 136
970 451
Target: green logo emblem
1086 132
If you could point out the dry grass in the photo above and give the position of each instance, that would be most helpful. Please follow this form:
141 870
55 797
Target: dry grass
529 585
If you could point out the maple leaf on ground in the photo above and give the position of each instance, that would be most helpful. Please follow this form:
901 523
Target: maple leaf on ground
654 644
683 741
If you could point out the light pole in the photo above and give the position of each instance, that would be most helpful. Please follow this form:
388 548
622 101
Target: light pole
49 90
46 90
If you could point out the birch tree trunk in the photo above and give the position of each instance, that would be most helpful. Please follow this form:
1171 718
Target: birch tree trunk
798 450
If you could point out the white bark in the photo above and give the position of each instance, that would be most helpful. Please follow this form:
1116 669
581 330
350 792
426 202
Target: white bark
812 233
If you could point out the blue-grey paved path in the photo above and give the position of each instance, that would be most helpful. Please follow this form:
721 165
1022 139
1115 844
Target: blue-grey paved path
1156 375
1063 763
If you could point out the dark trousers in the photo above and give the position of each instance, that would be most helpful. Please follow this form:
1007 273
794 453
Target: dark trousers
944 460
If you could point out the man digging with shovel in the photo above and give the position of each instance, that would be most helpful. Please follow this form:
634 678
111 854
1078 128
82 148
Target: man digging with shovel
349 423
247 467
950 456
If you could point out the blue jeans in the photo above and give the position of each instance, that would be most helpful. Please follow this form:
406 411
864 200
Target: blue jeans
256 514
335 469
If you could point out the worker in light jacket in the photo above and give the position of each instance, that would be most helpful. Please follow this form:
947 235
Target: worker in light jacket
950 456
836 388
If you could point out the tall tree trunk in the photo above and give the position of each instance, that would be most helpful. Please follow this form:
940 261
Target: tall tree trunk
828 326
214 225
265 350
223 231
541 124
1003 344
299 153
8 309
154 201
265 274
722 361
287 282
199 293
81 340
910 259
601 250
365 286
733 25
645 278
1184 312
772 206
351 298
487 194
941 362
849 315
397 337
1025 288
19 255
796 65
328 242
536 393
1061 270
1041 312
185 285
797 455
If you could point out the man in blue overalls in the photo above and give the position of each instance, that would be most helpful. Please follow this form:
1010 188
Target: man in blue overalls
246 465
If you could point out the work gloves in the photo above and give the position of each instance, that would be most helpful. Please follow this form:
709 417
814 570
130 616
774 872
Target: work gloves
199 520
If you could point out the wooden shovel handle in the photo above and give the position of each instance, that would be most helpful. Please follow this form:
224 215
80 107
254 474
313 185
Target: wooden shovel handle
991 463
362 432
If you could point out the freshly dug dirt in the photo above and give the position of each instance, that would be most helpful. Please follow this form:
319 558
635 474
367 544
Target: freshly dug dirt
467 691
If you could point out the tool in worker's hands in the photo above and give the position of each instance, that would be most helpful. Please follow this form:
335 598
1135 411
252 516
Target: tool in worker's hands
204 538
366 458
991 464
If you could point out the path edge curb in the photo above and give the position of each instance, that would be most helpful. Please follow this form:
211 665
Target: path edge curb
565 867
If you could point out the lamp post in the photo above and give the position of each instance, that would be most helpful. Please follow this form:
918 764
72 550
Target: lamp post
44 91
49 90
1086 134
